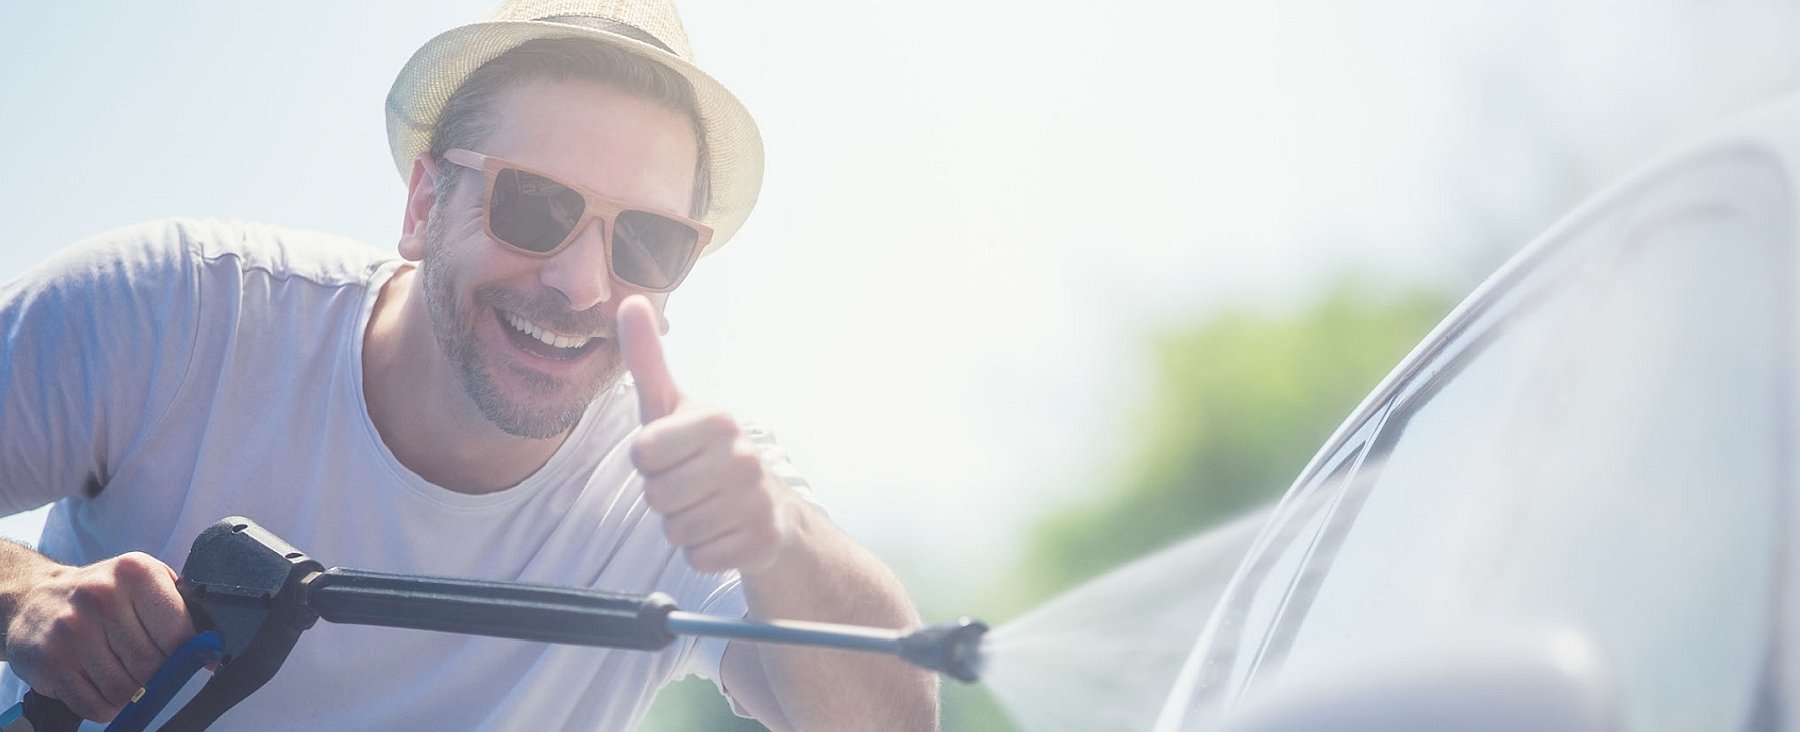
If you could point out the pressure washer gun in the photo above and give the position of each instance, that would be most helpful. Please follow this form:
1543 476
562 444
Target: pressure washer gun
251 596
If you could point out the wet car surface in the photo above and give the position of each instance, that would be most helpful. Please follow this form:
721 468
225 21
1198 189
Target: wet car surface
1571 506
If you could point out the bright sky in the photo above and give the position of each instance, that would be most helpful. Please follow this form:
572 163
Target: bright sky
975 212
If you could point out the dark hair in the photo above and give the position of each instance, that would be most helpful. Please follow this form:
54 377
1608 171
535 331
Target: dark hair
468 116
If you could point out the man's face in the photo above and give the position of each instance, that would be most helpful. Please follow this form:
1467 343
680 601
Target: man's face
492 310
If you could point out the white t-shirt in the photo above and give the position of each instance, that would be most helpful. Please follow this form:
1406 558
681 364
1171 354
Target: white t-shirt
164 376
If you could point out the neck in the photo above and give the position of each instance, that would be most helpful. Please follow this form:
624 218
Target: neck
421 410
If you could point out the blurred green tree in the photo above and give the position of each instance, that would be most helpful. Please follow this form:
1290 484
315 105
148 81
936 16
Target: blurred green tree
691 705
1242 401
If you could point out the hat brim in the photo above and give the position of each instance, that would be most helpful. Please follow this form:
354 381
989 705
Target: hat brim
733 146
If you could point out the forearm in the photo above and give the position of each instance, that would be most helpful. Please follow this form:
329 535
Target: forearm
21 568
825 576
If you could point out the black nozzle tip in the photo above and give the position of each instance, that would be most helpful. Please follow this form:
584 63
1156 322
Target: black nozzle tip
953 649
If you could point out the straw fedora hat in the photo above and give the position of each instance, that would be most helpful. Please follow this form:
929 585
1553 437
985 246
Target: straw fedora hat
647 28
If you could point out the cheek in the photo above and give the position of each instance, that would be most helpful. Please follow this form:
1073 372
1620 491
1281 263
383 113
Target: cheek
464 260
456 231
437 269
449 275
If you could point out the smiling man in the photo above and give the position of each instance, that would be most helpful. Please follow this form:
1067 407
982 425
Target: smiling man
493 403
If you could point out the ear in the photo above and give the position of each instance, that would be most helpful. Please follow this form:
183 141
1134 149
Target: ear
421 193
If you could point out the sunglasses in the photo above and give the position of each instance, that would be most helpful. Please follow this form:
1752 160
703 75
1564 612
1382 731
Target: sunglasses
533 213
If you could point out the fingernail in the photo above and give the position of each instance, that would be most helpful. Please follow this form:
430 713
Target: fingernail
139 694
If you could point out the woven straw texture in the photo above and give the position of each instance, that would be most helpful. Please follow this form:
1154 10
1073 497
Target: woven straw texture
733 146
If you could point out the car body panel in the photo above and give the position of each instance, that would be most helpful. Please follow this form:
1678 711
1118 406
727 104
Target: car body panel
1621 393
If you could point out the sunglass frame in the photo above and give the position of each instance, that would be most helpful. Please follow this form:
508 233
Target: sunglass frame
596 205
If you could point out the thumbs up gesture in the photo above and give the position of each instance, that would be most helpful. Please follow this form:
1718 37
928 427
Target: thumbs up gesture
701 472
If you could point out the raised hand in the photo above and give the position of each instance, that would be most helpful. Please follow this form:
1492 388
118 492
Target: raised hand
701 472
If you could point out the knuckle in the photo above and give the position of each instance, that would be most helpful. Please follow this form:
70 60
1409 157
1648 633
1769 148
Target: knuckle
745 461
140 663
145 575
765 534
760 505
87 702
642 450
680 533
171 619
91 596
136 566
656 496
720 423
116 691
705 561
139 674
169 635
106 711
66 628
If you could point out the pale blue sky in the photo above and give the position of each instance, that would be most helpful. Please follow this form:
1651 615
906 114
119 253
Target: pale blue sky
975 212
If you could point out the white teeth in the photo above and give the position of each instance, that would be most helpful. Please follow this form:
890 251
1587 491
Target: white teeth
531 329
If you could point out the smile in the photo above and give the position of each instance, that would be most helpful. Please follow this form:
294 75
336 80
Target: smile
545 335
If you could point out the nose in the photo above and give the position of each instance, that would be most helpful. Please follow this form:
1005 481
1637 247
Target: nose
579 271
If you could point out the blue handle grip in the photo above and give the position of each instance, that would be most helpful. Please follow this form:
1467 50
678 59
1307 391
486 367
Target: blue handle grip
200 650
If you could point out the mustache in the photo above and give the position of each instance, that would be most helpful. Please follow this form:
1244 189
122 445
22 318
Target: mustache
548 310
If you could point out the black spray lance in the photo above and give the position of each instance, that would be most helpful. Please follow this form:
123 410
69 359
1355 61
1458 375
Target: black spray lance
251 595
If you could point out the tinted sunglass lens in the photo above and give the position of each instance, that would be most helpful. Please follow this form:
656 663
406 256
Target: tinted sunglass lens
651 251
532 212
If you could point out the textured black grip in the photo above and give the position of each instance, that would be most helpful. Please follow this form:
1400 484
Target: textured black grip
49 715
503 609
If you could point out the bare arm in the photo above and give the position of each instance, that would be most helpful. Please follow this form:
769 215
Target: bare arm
824 576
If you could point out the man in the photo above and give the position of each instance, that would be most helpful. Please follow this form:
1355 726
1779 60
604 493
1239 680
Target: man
493 404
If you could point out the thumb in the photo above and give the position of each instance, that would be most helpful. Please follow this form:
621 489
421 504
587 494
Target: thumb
641 344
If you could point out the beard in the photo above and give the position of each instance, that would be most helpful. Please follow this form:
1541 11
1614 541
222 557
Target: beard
539 413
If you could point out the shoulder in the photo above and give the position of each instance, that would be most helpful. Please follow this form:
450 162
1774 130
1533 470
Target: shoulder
169 252
277 251
134 270
125 254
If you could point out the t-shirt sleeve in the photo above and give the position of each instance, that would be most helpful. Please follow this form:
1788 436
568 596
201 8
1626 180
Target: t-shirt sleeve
775 459
94 344
706 656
